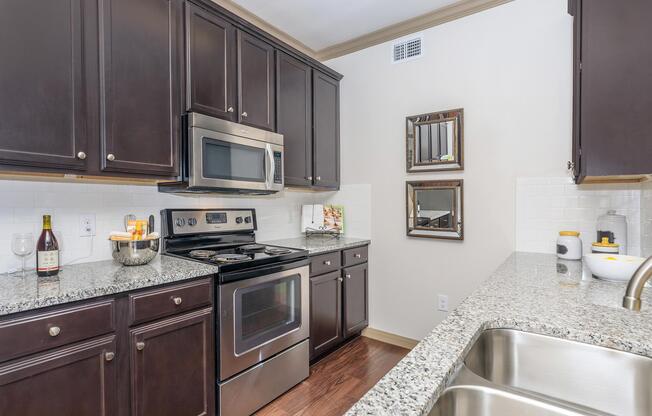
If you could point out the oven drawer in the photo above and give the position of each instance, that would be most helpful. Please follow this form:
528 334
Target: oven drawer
166 301
355 255
41 332
325 263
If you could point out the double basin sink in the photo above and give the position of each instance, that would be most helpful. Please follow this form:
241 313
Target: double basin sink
509 372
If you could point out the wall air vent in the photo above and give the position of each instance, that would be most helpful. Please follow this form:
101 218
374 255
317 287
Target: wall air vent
407 49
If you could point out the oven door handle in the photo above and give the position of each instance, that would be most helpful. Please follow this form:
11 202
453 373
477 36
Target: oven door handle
269 180
230 277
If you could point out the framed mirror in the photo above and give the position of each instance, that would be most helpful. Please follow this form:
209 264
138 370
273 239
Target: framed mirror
435 209
435 141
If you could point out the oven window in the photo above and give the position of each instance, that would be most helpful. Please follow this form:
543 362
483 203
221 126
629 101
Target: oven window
232 161
266 311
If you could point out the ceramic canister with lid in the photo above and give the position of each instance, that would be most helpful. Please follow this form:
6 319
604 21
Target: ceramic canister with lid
569 245
605 247
614 227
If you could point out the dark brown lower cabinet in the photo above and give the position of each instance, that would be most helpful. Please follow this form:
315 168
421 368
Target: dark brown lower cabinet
172 366
356 305
325 312
75 380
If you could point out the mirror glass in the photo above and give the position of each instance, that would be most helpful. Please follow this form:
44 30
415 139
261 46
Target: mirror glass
434 209
434 141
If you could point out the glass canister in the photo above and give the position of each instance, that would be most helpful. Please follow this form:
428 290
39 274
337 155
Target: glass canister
613 227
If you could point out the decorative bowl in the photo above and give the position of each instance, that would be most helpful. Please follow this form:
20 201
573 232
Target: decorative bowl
134 252
612 267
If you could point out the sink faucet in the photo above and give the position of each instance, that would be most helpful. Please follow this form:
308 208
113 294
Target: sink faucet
632 298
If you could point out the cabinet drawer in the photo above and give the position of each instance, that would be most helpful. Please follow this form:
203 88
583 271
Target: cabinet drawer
325 263
41 332
158 303
354 256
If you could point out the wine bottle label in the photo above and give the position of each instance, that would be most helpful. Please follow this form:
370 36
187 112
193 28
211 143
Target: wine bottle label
47 261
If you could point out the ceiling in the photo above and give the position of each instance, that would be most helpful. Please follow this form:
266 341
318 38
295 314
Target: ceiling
320 24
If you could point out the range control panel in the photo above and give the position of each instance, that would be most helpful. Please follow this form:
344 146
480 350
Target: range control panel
184 222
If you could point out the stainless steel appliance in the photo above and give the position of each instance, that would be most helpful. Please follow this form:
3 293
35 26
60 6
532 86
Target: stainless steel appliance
222 156
262 312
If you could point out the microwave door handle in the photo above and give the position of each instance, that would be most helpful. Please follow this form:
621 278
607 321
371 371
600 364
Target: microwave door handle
269 181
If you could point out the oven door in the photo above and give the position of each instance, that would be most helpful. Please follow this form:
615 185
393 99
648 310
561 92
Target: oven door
221 160
261 317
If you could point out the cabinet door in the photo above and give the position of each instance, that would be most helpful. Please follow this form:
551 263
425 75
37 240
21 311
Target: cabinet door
326 113
615 97
294 118
75 380
43 90
325 312
256 82
210 64
356 304
140 89
172 366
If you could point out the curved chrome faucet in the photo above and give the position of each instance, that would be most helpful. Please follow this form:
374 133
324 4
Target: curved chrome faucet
632 298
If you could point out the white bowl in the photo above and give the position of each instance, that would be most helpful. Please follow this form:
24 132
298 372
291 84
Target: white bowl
613 267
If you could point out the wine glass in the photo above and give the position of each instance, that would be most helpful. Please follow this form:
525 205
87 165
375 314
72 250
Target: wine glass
22 244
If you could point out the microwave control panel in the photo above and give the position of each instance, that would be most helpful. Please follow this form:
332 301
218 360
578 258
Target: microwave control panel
278 167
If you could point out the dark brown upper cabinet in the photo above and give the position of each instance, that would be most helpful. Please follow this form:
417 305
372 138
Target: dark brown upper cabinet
256 82
140 101
294 118
612 84
210 64
43 55
326 131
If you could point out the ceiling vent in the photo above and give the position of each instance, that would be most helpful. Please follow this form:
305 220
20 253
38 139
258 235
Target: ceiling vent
407 49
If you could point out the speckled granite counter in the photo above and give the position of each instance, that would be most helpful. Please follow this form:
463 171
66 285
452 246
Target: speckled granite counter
90 280
316 245
529 292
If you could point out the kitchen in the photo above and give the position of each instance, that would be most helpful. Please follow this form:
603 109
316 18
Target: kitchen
101 120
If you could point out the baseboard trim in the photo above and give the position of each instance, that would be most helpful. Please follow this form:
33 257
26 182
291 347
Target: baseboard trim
389 338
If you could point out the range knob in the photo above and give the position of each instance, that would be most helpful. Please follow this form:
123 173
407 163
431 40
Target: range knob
180 222
247 219
238 220
192 221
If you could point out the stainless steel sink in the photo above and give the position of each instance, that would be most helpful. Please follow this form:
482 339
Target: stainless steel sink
514 372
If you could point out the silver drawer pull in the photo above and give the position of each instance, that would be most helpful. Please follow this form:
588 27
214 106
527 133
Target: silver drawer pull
339 279
140 346
244 114
54 331
319 178
357 255
177 300
230 109
110 157
109 356
348 276
327 262
81 155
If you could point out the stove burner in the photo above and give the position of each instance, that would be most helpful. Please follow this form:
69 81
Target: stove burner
273 251
229 258
202 254
251 248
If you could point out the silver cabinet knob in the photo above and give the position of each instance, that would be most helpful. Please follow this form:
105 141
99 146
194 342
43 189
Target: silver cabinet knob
140 346
244 114
108 356
81 155
54 331
177 300
327 262
110 157
357 255
339 279
318 178
309 178
230 109
348 276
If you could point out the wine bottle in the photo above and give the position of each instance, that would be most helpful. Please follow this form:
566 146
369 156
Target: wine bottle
47 251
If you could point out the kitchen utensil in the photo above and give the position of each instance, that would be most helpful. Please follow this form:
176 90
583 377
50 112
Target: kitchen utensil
614 227
22 245
150 224
569 245
128 218
613 267
135 252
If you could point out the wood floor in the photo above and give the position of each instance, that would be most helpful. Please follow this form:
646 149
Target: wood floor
339 380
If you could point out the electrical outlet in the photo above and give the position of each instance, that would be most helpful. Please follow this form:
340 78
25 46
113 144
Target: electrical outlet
87 225
442 303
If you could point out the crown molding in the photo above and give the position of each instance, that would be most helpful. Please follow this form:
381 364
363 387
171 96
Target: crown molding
425 21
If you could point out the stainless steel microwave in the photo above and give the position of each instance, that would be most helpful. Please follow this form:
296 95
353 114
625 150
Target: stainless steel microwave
222 156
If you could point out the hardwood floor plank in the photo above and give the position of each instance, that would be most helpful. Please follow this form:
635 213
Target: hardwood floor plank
339 380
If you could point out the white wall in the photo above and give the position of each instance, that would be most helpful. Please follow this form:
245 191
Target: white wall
510 69
22 204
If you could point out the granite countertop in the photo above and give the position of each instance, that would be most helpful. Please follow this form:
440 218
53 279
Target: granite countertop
317 245
529 292
90 280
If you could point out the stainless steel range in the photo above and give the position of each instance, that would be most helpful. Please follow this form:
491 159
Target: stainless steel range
262 311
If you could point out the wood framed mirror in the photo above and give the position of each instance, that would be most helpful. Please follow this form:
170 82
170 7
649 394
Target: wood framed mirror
435 209
435 141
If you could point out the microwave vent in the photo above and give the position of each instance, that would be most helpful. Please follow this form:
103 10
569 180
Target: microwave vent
406 50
